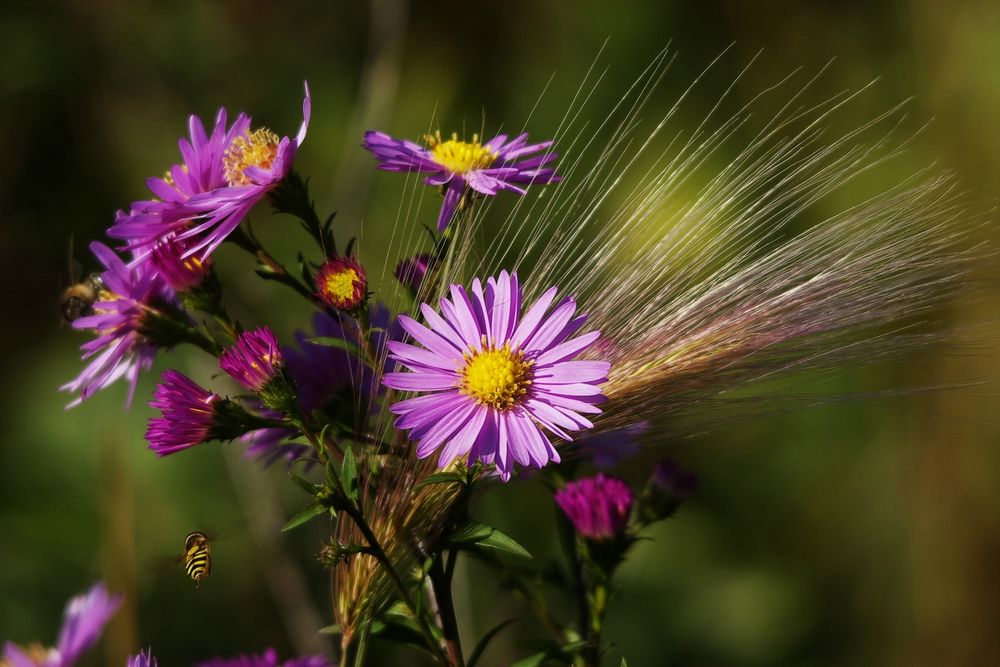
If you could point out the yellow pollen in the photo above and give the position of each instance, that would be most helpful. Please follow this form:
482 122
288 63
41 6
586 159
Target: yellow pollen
253 149
459 157
338 286
496 377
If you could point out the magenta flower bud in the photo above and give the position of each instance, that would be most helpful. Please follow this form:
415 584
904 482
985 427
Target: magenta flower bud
254 359
188 414
193 415
182 274
598 507
341 283
410 272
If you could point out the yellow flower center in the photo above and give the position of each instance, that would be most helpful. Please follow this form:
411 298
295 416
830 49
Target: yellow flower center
338 286
253 149
460 157
496 377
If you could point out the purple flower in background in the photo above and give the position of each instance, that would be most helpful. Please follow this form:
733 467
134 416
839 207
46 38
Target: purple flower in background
485 168
670 478
607 449
83 622
254 359
325 373
268 445
410 272
223 176
142 659
120 350
493 378
268 658
189 414
598 507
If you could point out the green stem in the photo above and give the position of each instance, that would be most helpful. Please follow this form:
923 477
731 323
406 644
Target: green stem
441 585
362 648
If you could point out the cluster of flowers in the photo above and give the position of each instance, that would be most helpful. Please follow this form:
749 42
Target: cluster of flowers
501 373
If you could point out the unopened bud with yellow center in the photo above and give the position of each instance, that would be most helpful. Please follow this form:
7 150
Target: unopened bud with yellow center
460 157
341 283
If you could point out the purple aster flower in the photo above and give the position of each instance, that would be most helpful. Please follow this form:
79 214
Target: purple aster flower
142 659
83 622
254 359
492 378
410 272
485 168
670 478
325 375
607 449
268 445
120 349
341 283
222 177
598 507
189 414
268 658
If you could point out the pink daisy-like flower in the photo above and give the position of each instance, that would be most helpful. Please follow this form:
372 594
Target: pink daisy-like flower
83 623
222 177
120 349
598 506
493 379
485 168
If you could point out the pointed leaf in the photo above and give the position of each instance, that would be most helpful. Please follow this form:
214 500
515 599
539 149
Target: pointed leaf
334 629
349 474
477 652
441 478
334 341
310 512
476 534
305 484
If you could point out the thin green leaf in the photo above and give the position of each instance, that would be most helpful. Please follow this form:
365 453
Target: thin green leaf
476 534
333 341
477 652
399 629
533 660
441 478
305 484
334 629
310 512
349 475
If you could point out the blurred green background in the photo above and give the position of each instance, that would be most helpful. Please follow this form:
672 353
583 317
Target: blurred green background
862 533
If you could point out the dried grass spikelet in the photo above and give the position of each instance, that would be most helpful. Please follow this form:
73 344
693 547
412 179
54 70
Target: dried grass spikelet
719 258
405 519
